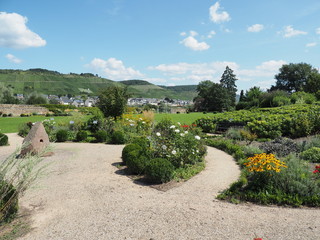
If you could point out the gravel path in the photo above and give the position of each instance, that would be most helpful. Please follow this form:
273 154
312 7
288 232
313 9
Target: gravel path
83 197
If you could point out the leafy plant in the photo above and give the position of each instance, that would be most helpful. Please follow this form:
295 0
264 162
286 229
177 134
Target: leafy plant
311 155
81 136
127 149
118 137
281 147
101 136
62 135
160 170
3 139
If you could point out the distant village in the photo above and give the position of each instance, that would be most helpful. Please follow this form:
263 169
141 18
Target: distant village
81 101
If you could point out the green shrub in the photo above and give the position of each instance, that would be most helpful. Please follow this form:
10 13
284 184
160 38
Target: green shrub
136 161
62 135
234 133
206 124
3 139
118 137
94 124
311 155
250 150
160 170
101 136
8 201
81 136
281 147
127 149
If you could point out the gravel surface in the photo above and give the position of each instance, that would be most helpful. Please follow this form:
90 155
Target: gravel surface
83 196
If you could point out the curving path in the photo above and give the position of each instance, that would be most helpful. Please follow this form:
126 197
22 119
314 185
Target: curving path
81 197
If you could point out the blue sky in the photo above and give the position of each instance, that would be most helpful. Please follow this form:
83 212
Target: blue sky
168 42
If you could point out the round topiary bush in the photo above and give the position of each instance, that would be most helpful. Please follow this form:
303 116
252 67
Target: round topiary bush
62 135
136 161
127 149
118 137
3 139
311 155
8 201
159 170
81 136
101 136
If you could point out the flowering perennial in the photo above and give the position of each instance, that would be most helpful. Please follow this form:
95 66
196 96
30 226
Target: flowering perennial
264 162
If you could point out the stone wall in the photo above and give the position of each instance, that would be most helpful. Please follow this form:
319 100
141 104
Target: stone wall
16 109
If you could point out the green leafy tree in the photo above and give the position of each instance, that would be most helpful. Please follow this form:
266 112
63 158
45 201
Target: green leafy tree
113 101
313 83
228 81
36 98
293 77
6 95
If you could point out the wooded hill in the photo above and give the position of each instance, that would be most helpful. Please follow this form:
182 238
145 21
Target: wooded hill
52 82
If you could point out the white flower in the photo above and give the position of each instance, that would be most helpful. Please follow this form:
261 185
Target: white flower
71 122
143 122
174 152
185 132
179 123
182 134
131 124
197 151
177 130
51 119
173 126
197 137
140 119
164 147
158 134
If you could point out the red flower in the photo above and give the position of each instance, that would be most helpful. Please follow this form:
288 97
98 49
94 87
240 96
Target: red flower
316 171
318 167
257 239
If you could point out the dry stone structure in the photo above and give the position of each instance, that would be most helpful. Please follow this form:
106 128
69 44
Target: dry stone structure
36 140
16 109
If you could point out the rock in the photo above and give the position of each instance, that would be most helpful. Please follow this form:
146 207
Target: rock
36 140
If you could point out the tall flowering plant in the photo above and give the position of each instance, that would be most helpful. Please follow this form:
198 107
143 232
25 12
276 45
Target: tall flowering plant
180 146
316 172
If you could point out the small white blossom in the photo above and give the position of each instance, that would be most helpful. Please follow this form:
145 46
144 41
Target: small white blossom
173 126
131 124
182 134
185 132
174 152
158 134
177 130
71 122
197 151
179 123
143 122
164 147
197 137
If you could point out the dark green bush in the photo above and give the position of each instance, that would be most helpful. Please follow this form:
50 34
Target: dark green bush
311 155
136 161
8 201
127 149
101 136
3 139
81 136
62 135
280 146
160 170
118 137
94 124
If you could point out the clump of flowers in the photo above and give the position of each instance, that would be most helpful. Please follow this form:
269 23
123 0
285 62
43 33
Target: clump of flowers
317 171
264 163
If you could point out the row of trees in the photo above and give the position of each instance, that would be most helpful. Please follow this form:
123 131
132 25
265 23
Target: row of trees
295 83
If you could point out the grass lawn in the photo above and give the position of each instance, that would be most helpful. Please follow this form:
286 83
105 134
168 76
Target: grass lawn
183 118
11 124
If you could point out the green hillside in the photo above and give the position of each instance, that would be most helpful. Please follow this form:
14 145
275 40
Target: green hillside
52 82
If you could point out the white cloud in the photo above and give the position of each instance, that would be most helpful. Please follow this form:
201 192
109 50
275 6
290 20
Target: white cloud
318 31
192 43
211 34
183 34
216 16
113 69
255 28
290 32
13 59
313 44
197 72
15 34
